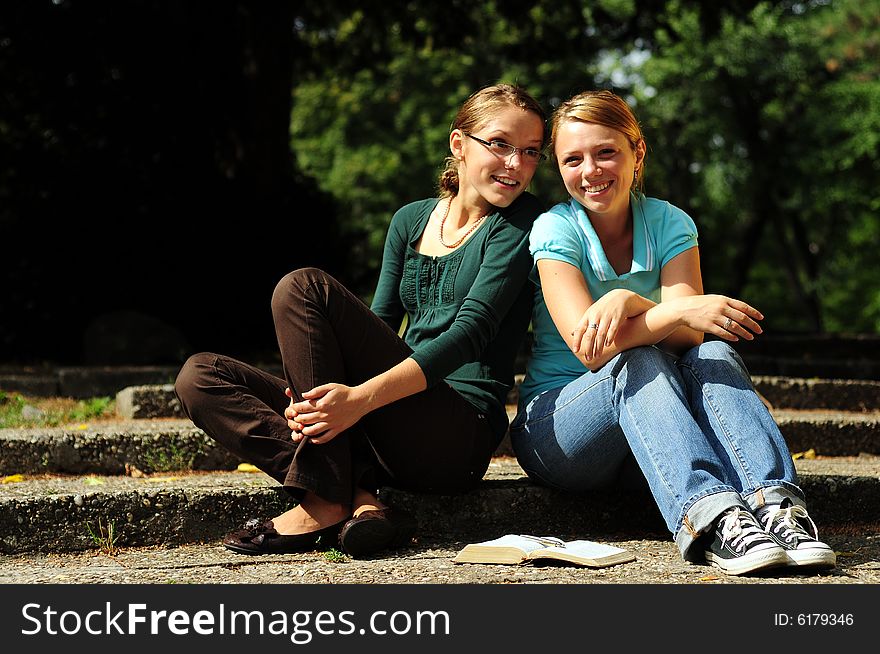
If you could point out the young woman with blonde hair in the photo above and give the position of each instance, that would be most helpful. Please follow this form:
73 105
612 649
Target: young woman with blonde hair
620 372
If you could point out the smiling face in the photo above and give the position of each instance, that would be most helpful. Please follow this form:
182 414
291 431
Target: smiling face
486 178
597 165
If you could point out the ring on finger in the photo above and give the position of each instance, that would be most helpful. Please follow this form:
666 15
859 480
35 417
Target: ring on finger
728 323
594 325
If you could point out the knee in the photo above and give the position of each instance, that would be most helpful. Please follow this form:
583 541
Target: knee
192 378
717 356
295 285
713 352
645 356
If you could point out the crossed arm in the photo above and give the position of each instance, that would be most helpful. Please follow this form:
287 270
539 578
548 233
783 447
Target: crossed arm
621 320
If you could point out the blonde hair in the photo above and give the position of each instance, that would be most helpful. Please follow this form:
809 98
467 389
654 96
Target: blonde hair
478 110
602 108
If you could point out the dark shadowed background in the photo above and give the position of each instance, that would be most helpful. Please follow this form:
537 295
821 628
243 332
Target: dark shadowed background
163 163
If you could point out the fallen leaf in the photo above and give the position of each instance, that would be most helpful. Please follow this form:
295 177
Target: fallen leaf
709 578
82 426
93 481
11 479
809 454
247 467
161 479
133 471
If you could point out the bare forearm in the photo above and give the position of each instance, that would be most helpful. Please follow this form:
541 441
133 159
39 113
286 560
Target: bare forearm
660 325
403 380
331 408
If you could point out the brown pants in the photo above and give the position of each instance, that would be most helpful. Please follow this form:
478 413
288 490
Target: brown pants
433 441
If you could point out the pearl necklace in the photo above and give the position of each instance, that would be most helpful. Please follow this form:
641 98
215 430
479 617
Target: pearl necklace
465 235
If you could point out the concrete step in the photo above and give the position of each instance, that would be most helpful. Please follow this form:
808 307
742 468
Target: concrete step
176 444
51 513
774 365
147 391
112 448
829 433
82 382
833 394
812 346
159 401
781 393
823 356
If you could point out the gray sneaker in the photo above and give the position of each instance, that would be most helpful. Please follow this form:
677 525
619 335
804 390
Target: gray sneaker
796 532
739 545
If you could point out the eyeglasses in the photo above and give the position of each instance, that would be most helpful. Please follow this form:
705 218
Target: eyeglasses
506 150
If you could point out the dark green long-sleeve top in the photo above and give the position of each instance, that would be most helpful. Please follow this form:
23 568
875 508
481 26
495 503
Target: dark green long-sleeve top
467 311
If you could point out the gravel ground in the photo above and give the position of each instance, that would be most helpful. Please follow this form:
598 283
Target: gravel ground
657 562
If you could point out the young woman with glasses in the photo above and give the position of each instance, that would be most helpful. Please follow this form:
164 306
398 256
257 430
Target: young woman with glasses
360 407
619 374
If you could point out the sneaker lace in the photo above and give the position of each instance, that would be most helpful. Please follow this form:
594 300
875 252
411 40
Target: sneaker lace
740 529
785 522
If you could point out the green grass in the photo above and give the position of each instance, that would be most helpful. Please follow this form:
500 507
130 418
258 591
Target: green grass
105 537
333 555
17 410
170 460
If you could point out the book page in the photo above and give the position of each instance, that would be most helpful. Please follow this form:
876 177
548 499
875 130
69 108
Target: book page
587 549
513 548
527 545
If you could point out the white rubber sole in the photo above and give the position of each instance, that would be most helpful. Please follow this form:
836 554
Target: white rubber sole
774 558
812 557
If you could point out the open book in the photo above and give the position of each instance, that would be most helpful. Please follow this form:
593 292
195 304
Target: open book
514 549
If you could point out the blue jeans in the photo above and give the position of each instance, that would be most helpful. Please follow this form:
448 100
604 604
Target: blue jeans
700 434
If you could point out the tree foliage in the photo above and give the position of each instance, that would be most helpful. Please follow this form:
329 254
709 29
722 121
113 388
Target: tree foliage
765 128
761 119
174 159
371 120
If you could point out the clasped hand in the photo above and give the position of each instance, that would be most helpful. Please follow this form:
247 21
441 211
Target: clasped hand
324 412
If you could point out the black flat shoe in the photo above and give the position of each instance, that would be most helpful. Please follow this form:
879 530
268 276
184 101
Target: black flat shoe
262 538
374 531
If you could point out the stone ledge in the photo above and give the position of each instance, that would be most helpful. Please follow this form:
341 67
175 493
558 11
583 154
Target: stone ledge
833 394
53 513
144 402
169 444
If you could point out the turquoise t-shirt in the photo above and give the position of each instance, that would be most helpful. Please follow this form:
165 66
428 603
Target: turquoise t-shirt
564 233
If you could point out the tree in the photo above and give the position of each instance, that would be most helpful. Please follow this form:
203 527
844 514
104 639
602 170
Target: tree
754 131
741 101
371 120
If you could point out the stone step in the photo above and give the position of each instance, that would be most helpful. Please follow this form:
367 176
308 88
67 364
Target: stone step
775 365
833 394
159 401
147 391
828 356
68 513
176 444
112 449
824 356
827 433
830 433
812 346
779 392
81 382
